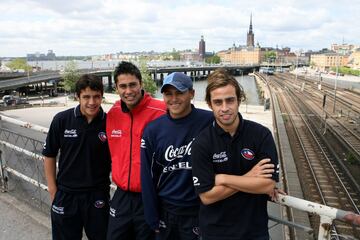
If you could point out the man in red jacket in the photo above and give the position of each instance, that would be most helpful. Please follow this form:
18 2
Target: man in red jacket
124 127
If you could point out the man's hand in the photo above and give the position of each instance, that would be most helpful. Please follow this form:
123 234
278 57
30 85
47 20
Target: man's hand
52 192
352 218
50 174
262 169
275 194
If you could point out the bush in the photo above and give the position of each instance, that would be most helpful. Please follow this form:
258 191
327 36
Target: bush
347 70
149 84
71 75
351 158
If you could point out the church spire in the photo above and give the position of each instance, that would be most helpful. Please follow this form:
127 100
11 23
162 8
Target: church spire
250 35
250 27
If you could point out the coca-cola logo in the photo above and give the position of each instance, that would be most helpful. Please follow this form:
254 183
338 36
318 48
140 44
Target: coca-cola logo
172 153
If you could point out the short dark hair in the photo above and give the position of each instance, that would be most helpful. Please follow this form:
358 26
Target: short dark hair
126 68
89 80
221 78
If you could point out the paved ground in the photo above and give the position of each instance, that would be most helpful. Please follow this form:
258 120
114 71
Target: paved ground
18 221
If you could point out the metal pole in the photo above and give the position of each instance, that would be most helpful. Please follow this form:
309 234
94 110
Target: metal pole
3 179
337 73
297 63
324 227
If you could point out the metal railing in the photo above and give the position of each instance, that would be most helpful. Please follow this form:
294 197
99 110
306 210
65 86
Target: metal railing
21 170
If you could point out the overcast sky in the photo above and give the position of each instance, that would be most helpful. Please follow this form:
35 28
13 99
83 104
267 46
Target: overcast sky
85 27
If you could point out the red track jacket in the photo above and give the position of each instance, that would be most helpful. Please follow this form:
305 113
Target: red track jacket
124 129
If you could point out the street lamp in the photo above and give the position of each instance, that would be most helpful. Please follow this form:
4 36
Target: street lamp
337 74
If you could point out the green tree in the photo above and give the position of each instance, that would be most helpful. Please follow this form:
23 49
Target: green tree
312 64
213 59
149 84
270 55
347 70
71 75
19 64
175 55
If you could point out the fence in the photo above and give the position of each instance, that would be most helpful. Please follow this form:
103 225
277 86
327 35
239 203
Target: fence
22 173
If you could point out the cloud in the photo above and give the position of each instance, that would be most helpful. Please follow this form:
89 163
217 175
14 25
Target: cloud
96 27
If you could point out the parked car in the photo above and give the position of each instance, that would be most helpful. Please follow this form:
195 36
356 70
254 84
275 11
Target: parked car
13 100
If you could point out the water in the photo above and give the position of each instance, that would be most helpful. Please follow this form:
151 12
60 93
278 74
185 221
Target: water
248 83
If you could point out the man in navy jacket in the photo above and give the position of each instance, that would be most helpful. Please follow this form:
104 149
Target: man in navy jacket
170 203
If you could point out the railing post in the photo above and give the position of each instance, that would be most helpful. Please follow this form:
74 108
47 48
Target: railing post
3 178
324 228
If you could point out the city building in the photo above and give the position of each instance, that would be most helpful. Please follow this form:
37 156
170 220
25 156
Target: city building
202 49
41 56
189 55
354 59
344 49
327 61
244 55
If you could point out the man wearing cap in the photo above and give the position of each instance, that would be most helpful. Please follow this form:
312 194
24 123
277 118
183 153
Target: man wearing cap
170 203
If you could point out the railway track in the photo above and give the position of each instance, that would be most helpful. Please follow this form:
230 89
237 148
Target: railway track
323 181
345 127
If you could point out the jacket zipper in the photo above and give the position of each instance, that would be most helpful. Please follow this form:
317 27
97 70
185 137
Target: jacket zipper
131 136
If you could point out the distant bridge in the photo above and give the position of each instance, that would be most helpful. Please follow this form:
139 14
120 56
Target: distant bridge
14 83
42 79
199 71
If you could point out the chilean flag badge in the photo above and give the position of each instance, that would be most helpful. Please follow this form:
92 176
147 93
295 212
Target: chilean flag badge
247 154
102 136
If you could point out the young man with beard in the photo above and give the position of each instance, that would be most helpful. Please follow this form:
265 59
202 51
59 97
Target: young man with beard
235 167
170 203
80 191
124 127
